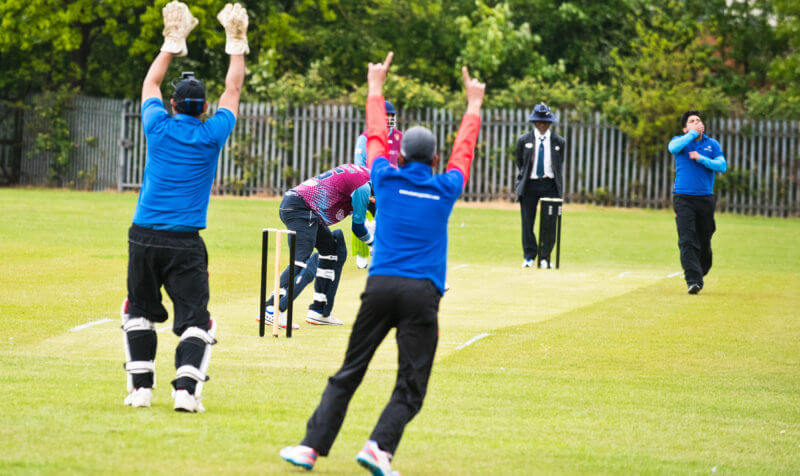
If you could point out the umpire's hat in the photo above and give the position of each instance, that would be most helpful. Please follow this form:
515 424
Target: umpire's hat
542 113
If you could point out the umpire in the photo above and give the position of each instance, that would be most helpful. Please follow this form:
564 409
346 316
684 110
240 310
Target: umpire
697 159
540 159
164 246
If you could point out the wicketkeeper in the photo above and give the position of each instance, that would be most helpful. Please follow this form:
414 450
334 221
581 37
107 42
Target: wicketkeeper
406 278
164 244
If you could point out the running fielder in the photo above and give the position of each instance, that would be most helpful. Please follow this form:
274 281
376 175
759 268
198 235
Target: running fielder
164 244
406 278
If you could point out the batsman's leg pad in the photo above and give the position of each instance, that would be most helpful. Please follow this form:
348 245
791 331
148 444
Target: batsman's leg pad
326 276
192 357
304 272
140 350
341 257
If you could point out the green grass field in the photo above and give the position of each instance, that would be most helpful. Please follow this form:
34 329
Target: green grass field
603 366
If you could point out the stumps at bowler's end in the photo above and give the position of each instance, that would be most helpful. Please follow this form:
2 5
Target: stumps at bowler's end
550 229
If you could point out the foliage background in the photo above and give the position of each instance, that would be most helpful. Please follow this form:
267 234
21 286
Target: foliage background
642 62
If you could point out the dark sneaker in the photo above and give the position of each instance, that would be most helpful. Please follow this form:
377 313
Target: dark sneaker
694 288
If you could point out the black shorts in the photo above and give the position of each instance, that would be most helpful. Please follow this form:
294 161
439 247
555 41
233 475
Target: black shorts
179 262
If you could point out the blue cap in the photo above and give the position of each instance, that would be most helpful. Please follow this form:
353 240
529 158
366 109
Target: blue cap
389 108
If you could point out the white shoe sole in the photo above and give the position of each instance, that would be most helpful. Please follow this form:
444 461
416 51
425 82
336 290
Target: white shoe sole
184 402
322 322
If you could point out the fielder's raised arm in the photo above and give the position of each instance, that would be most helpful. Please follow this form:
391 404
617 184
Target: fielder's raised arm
235 21
377 130
178 23
464 147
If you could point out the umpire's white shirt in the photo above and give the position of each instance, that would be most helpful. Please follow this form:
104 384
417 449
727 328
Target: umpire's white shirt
548 164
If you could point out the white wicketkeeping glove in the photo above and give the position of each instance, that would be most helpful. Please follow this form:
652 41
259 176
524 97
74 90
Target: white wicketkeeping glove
178 23
234 20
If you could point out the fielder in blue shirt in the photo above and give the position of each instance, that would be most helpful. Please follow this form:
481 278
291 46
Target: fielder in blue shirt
164 246
698 158
406 278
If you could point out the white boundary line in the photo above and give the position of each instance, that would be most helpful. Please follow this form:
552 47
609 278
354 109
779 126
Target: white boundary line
90 324
473 340
674 274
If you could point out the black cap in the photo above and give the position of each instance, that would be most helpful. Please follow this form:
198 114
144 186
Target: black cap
189 95
418 144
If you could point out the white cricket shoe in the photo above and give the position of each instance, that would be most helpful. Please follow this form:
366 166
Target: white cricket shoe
313 317
268 319
528 263
303 456
186 402
362 262
375 460
544 264
140 397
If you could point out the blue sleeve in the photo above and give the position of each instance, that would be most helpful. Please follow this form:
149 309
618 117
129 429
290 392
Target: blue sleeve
153 114
677 143
360 200
380 166
717 164
452 183
360 155
220 125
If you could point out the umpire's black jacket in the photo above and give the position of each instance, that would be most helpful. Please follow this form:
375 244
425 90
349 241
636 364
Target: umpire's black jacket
525 154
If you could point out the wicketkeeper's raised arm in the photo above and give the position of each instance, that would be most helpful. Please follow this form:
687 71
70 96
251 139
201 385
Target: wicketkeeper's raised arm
464 147
377 130
235 21
178 23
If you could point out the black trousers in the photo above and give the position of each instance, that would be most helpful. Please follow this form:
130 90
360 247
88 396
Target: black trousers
179 262
411 306
694 216
528 202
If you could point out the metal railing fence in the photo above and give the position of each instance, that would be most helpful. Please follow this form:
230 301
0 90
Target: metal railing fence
276 147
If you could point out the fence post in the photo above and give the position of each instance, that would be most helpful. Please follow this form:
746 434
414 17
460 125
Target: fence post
122 144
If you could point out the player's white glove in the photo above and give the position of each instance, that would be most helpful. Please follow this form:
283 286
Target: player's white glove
178 23
234 20
370 226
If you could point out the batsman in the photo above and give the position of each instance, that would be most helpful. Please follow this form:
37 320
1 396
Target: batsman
164 243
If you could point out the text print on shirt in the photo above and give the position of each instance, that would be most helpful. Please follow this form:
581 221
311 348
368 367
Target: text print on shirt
429 196
351 168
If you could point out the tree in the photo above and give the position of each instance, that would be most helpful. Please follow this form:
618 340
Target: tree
47 44
499 50
668 72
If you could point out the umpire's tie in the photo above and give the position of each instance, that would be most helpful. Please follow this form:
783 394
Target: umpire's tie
540 160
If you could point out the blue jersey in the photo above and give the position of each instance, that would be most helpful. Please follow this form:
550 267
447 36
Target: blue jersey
411 234
696 177
182 153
